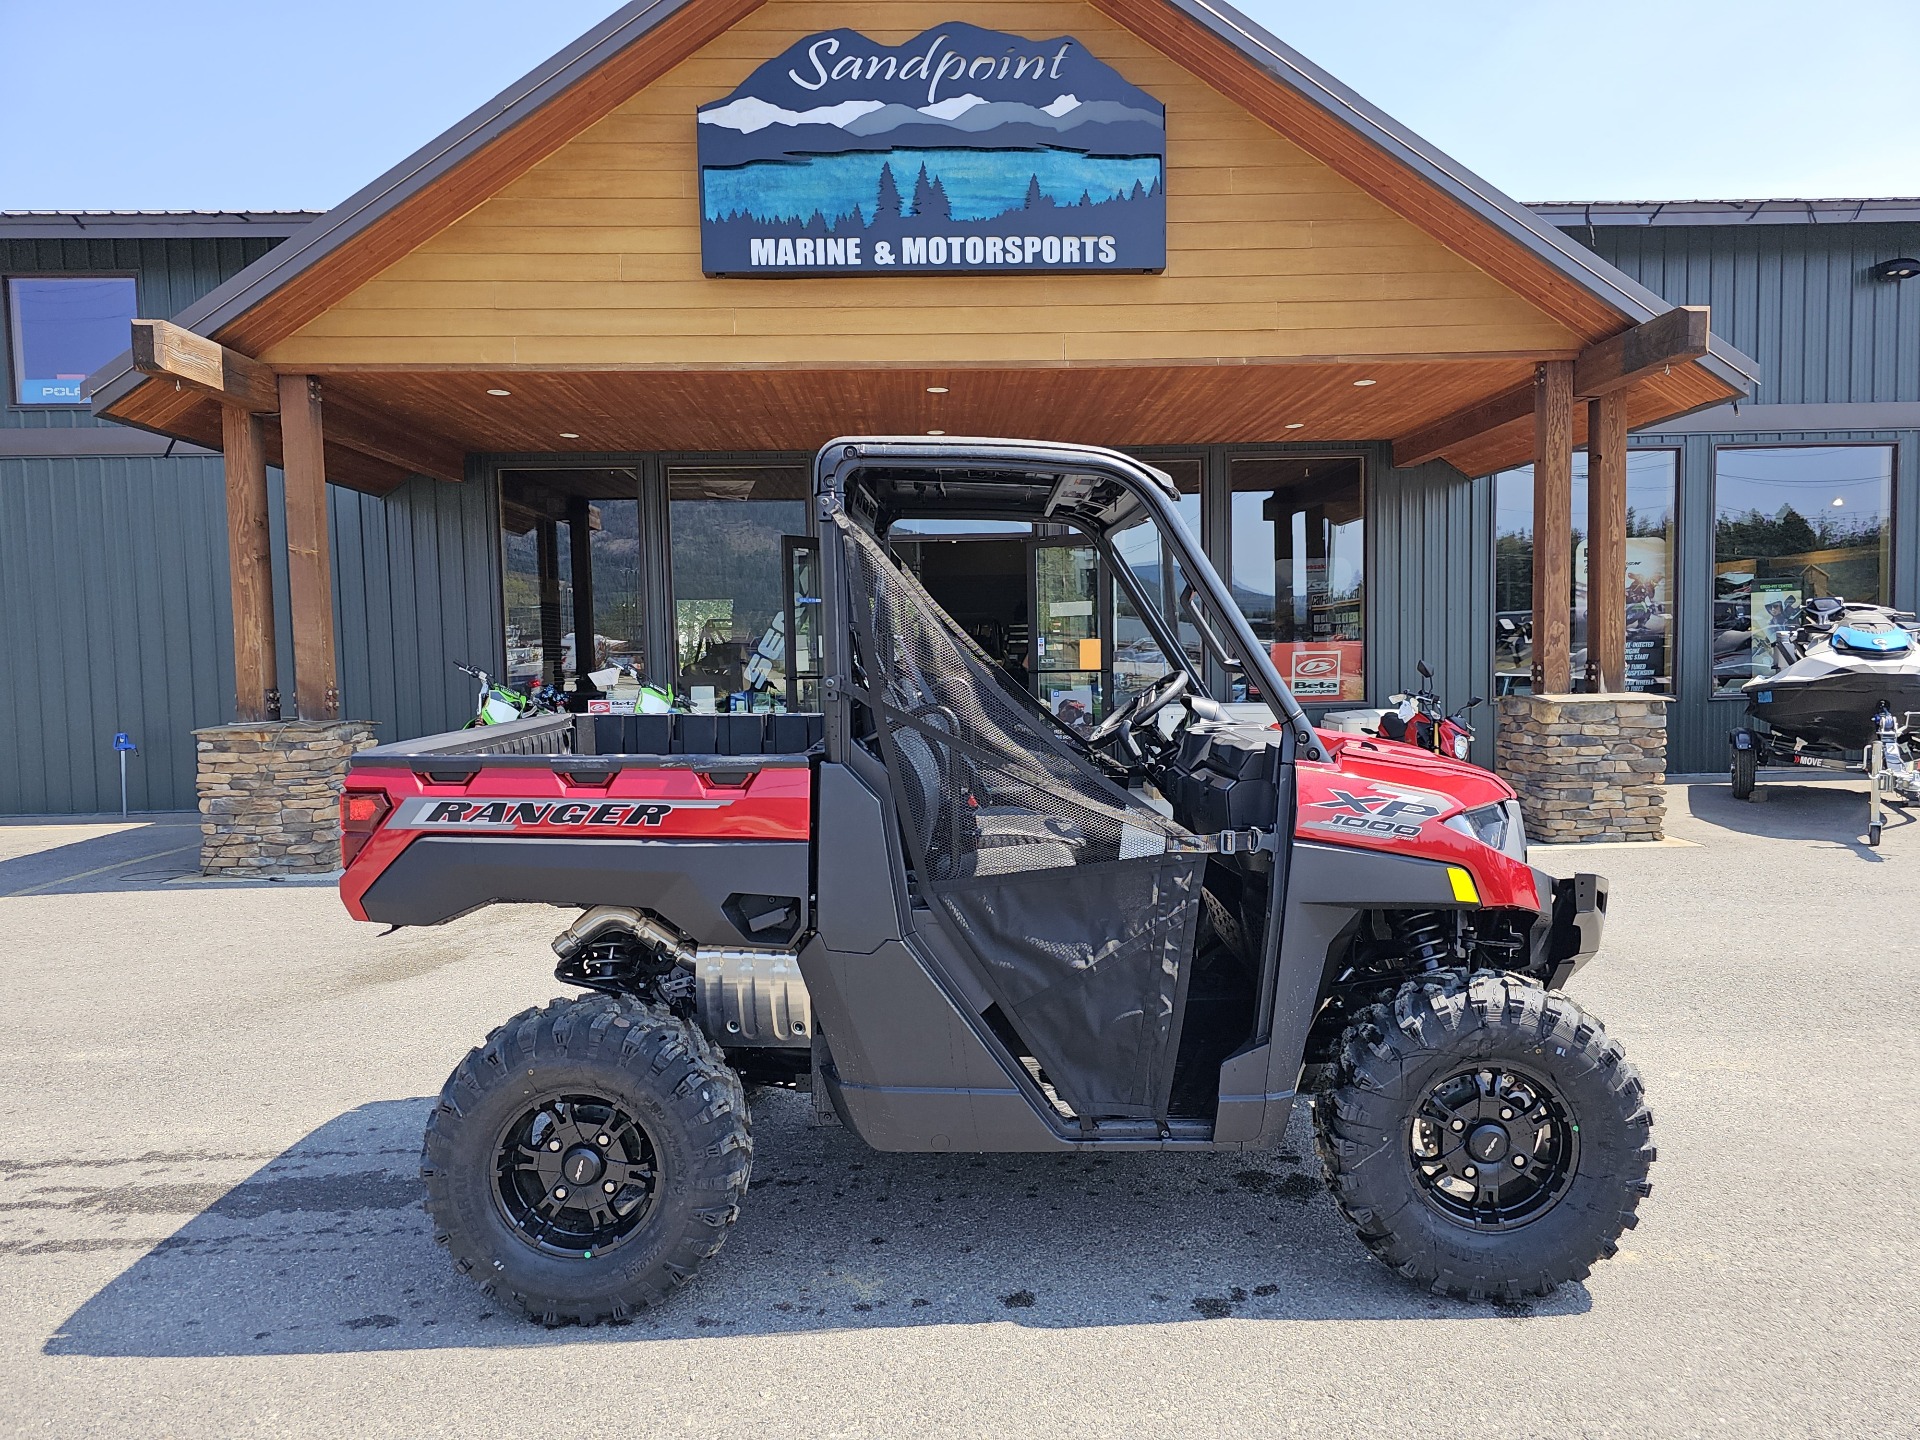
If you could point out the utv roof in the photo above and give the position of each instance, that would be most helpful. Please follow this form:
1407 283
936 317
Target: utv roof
893 476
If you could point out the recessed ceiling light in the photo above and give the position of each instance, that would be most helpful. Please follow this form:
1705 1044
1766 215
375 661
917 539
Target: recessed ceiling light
936 389
1296 425
936 432
499 392
568 435
1366 382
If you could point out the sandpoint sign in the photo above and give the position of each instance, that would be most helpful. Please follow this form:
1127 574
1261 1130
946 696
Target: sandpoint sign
962 151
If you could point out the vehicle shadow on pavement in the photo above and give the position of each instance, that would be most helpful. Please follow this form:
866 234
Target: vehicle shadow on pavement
1826 812
325 1249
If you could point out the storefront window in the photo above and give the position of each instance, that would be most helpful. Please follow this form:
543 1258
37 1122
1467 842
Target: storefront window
730 582
1299 569
1651 477
1791 523
63 328
542 640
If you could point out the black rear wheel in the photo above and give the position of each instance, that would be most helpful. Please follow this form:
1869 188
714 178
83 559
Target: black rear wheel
1484 1137
587 1159
1746 765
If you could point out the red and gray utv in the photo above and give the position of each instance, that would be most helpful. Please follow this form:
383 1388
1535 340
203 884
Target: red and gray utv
967 927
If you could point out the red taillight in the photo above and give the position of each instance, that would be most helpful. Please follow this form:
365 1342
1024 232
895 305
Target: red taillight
360 815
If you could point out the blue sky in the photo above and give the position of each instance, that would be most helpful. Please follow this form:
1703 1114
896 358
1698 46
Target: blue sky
216 104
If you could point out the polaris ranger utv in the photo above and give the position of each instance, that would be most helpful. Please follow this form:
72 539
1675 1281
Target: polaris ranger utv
967 927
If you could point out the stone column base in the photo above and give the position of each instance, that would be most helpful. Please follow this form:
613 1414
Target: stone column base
270 794
1586 767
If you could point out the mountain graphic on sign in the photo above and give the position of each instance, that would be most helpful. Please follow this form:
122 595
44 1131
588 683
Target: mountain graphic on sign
966 113
983 144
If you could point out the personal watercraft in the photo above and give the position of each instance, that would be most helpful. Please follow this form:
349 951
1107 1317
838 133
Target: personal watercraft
1837 666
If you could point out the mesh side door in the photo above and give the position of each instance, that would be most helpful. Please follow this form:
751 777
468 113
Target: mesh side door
1078 904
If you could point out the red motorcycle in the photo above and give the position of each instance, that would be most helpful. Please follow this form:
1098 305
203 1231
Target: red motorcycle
1422 722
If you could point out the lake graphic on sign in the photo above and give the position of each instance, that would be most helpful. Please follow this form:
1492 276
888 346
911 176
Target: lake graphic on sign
962 150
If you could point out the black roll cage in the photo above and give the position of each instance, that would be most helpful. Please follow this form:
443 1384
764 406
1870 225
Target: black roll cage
839 461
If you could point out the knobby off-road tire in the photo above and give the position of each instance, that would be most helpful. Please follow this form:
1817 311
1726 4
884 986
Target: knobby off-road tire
1434 1031
665 1106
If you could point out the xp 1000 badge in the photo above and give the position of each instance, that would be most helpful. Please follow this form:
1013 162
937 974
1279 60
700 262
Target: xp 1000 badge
1388 812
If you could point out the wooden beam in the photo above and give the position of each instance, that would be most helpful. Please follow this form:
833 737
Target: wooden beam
316 682
418 452
1670 339
1607 542
1430 442
256 684
1552 527
166 350
1674 338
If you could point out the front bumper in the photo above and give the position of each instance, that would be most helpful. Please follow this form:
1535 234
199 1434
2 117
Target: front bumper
1573 917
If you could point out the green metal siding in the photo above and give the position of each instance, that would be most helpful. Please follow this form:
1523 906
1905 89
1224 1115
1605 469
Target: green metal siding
1430 582
169 276
1799 300
117 616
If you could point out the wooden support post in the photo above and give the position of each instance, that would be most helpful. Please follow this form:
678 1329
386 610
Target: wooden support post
1552 526
256 684
546 536
580 537
316 682
1607 542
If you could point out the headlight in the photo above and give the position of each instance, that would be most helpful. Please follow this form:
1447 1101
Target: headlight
1460 746
1499 827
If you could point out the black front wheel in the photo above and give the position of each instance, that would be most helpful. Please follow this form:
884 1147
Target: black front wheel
1484 1137
1746 766
587 1159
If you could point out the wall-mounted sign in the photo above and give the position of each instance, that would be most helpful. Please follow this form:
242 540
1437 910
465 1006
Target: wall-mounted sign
962 151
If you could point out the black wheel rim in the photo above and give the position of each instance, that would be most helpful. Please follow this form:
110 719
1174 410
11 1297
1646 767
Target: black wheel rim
576 1175
1493 1148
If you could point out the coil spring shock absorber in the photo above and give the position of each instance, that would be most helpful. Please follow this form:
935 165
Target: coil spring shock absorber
1426 935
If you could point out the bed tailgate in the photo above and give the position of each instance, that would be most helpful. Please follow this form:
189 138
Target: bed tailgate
719 844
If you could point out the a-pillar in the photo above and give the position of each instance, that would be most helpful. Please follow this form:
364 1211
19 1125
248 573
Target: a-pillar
580 538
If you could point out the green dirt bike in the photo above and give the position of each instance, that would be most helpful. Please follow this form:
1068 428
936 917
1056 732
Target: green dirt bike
497 704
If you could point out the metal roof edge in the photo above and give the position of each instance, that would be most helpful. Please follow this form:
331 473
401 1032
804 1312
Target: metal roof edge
150 224
1893 210
1736 367
1547 242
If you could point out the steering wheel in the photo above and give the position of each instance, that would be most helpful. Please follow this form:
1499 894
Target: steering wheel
1141 708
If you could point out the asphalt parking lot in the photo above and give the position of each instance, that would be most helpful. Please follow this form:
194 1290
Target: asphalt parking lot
210 1222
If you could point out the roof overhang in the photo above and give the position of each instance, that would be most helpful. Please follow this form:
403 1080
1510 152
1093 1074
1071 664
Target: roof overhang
382 222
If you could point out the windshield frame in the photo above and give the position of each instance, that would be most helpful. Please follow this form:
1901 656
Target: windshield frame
841 461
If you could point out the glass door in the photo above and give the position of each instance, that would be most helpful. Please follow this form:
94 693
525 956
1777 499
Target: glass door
728 526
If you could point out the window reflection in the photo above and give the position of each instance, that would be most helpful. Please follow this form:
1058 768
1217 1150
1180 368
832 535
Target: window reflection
730 581
1792 522
1299 569
1650 501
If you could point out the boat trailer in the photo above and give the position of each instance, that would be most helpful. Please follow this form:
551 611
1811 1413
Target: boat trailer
1888 762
